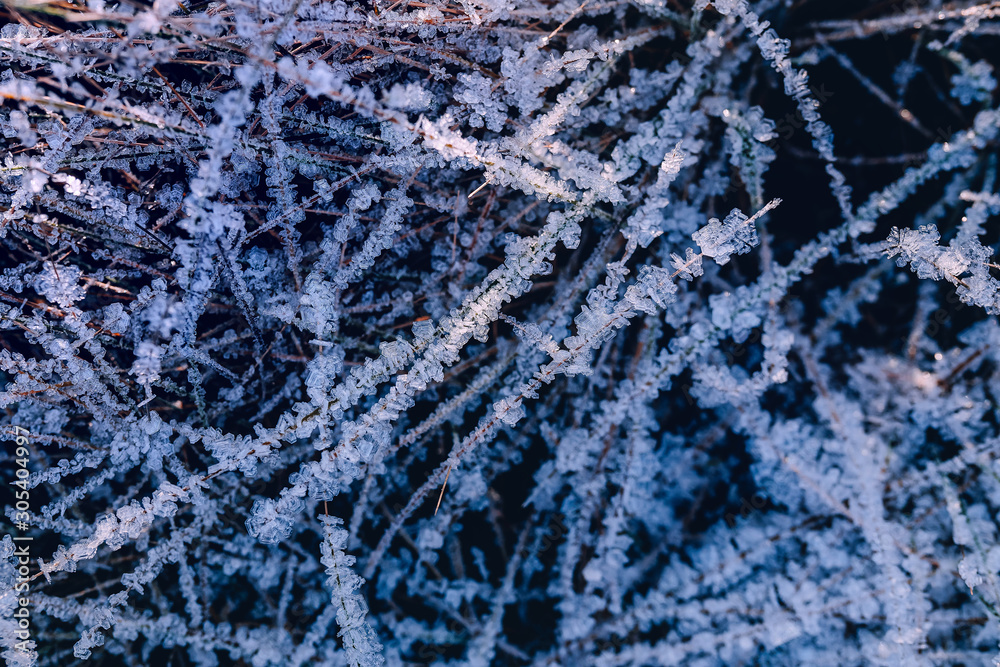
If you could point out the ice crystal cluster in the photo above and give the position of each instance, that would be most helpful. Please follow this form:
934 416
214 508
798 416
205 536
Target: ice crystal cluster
500 332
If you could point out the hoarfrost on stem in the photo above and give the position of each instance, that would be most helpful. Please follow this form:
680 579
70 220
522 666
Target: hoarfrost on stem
296 293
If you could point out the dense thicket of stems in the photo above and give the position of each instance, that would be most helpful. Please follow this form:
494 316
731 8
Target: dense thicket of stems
500 332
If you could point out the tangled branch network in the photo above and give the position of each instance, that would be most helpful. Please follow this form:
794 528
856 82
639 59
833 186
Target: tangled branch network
499 332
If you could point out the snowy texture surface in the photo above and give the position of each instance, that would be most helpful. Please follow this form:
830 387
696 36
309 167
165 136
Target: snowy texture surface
500 332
